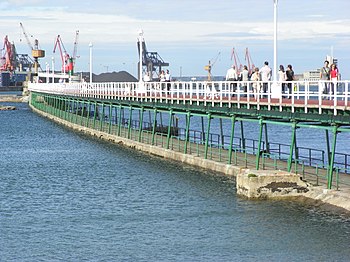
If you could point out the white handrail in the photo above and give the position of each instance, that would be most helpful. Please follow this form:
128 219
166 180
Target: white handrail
217 93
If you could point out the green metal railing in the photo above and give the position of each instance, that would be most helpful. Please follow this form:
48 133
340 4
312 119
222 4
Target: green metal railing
109 118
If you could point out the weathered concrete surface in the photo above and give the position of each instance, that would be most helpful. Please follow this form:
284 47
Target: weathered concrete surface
269 184
13 98
316 195
7 108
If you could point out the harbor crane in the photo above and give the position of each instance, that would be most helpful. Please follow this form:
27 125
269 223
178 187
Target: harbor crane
150 60
68 62
210 66
250 62
235 57
8 56
36 52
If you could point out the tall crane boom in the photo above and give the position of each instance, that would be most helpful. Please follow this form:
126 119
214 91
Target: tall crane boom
67 61
26 36
36 52
75 49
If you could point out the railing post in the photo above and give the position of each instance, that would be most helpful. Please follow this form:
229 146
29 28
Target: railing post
233 121
110 117
154 125
188 120
130 120
207 137
169 129
291 149
120 120
331 164
141 123
257 160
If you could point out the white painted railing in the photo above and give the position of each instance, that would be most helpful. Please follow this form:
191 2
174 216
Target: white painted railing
297 93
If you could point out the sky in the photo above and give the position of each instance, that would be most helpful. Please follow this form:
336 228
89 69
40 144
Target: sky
185 33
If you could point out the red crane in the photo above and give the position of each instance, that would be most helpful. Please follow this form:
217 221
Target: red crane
8 56
67 61
249 60
235 57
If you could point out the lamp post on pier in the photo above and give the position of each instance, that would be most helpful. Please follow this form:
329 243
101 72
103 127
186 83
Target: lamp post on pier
275 40
276 88
90 46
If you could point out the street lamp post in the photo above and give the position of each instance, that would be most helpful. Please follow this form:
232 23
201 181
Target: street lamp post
90 46
275 40
141 39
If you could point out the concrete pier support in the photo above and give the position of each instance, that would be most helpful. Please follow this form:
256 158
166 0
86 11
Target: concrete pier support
261 184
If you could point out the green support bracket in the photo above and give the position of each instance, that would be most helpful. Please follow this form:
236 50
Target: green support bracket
130 120
242 135
331 164
207 137
292 146
154 125
88 113
188 120
169 129
141 123
257 159
233 121
110 118
102 116
120 120
82 112
95 115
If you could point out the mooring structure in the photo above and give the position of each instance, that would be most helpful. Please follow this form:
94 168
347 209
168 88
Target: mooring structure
205 118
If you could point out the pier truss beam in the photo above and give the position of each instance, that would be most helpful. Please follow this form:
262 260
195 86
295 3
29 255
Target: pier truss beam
117 117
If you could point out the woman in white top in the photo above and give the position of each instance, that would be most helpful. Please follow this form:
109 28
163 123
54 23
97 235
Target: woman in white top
282 78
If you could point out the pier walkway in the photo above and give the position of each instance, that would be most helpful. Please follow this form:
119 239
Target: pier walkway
111 107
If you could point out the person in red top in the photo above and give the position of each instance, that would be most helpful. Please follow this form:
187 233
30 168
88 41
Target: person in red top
334 75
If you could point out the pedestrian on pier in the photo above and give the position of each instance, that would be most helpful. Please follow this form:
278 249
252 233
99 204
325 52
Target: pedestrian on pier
167 79
282 78
265 72
290 77
244 76
334 75
324 77
256 79
162 79
231 75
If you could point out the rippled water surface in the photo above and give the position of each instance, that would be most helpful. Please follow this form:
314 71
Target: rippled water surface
68 197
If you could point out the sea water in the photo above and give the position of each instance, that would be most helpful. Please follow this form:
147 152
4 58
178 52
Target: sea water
65 196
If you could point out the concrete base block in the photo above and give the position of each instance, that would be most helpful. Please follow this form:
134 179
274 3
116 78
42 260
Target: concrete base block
269 184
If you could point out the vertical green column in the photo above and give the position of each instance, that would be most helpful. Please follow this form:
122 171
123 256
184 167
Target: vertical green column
154 125
257 160
242 136
82 112
110 118
130 120
266 139
207 137
233 121
292 145
331 163
88 114
141 123
102 116
169 129
188 121
95 114
328 147
120 120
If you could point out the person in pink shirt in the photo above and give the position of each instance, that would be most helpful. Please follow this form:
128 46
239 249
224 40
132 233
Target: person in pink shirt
334 76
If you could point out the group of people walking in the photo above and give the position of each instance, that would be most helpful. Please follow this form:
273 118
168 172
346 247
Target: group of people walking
329 75
260 78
